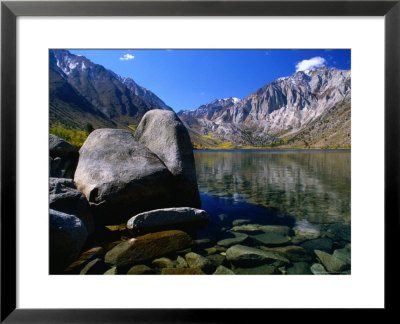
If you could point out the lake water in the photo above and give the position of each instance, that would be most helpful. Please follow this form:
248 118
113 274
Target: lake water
313 186
302 189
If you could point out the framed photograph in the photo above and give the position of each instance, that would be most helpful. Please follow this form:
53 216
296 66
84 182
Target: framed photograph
256 140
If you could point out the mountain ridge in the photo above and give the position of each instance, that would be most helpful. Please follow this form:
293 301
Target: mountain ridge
105 100
275 112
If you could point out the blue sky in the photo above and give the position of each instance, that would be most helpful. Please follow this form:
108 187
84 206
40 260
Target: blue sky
187 79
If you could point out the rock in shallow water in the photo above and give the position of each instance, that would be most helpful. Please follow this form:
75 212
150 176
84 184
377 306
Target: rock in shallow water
271 239
323 244
195 260
182 271
261 270
330 262
318 269
245 256
299 268
86 256
111 271
216 260
239 238
251 228
166 217
96 266
180 262
221 270
146 247
343 254
163 263
306 231
292 252
339 231
140 269
240 221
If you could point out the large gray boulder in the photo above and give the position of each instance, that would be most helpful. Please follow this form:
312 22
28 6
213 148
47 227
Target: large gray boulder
120 177
67 236
64 197
164 134
166 217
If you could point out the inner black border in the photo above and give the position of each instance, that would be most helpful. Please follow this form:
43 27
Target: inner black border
10 10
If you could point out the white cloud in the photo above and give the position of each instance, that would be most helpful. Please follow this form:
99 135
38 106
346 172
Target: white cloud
127 57
314 62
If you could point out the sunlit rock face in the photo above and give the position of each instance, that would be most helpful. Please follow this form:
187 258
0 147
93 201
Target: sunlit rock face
285 105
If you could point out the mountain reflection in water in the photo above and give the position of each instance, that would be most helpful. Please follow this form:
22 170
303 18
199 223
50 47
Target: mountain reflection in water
311 185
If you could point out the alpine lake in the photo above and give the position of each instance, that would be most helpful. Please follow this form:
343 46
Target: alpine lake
292 203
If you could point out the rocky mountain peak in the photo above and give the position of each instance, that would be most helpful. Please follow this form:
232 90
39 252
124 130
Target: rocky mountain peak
287 104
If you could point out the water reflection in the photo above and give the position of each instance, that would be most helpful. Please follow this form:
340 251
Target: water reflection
307 185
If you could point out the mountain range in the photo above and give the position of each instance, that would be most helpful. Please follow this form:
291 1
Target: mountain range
83 92
308 109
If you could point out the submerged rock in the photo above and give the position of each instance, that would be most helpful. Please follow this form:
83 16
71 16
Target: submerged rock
330 262
339 231
111 271
343 254
166 217
299 268
180 262
96 266
261 270
323 244
195 260
147 247
318 269
221 270
271 239
245 256
182 271
239 238
164 134
163 263
67 236
140 269
306 231
216 260
240 221
277 229
292 252
86 256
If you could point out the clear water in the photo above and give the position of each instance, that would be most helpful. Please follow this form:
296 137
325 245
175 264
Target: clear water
304 185
297 188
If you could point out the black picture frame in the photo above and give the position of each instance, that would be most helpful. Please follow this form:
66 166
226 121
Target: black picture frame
10 10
